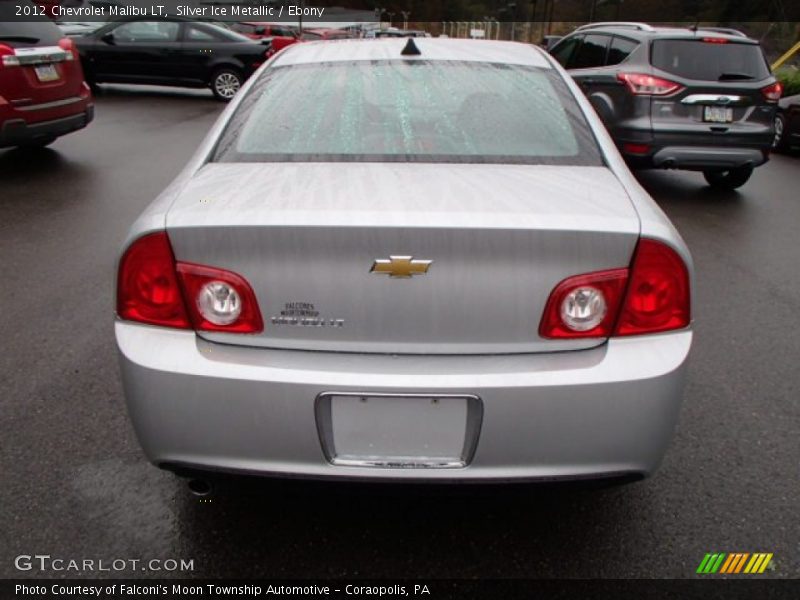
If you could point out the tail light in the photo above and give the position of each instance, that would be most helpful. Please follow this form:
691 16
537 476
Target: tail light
641 84
8 57
713 40
152 288
631 148
772 93
68 46
147 285
649 297
219 300
658 297
584 306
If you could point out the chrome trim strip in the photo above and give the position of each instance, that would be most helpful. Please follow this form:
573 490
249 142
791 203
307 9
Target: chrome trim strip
322 412
43 55
716 99
54 104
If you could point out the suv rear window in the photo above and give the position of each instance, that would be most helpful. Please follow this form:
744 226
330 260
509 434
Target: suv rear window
409 111
21 34
696 59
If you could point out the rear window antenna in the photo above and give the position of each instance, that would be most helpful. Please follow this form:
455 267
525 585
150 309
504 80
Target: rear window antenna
411 48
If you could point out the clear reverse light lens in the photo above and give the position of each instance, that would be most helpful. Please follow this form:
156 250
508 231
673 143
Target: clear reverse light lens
219 303
583 308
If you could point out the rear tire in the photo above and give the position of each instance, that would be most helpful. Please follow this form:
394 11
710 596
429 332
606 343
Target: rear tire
225 83
729 179
779 142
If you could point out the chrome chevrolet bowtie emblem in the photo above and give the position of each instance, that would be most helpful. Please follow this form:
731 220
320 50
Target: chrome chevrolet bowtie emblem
400 266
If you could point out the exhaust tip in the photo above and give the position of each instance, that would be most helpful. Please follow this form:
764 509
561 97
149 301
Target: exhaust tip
200 487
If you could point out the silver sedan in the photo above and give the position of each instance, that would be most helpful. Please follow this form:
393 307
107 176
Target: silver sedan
408 260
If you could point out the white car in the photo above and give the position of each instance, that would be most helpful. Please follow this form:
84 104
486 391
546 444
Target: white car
410 260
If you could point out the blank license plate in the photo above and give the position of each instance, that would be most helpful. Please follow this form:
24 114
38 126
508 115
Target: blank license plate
717 114
45 73
403 431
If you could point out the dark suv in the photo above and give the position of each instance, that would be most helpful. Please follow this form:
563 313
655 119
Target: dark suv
699 99
42 91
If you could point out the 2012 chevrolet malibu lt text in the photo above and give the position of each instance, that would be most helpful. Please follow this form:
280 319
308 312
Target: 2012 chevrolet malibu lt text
408 260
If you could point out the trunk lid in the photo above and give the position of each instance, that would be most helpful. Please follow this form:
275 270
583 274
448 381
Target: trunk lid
500 237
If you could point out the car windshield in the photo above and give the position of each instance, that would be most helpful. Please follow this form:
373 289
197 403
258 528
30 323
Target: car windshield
409 111
706 61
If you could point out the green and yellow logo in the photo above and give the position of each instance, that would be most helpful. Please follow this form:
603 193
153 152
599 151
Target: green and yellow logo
734 563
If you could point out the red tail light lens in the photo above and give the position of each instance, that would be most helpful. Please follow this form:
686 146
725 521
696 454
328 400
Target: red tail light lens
651 296
641 84
151 288
584 306
658 297
772 93
713 40
68 46
219 300
147 286
630 148
8 57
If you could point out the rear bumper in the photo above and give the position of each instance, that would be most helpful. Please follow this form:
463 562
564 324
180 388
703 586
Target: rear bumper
699 157
696 151
608 411
18 131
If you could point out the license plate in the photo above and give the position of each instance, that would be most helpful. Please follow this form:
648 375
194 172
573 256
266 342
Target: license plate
404 431
717 114
45 73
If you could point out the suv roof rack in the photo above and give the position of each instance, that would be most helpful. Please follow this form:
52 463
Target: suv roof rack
628 24
728 30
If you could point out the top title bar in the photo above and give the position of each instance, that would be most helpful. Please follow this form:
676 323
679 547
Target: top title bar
394 11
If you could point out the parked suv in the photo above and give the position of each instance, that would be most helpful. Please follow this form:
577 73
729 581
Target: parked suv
701 99
42 91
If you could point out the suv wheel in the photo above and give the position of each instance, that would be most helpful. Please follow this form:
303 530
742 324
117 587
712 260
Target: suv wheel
225 83
728 180
779 141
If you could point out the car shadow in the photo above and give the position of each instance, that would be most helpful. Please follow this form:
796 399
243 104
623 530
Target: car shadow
676 188
30 166
126 92
250 527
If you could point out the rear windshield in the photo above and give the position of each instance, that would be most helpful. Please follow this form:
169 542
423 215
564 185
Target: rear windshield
409 111
25 33
695 59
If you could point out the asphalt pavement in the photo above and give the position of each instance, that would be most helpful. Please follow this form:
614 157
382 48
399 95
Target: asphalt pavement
75 485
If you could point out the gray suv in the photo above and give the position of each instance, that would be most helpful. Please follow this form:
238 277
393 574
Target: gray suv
701 99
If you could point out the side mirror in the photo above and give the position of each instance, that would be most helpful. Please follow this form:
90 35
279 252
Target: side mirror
108 38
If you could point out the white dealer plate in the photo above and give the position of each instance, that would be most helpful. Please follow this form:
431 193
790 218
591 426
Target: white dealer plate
402 431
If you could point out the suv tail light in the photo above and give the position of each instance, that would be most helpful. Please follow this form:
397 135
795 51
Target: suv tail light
713 40
68 46
772 93
641 84
152 288
651 296
8 57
